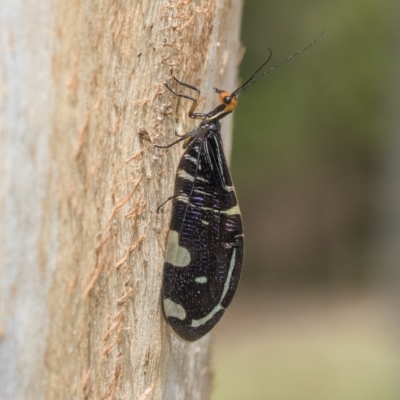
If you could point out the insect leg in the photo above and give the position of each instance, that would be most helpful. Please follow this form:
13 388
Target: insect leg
181 95
183 137
195 100
166 201
177 134
188 86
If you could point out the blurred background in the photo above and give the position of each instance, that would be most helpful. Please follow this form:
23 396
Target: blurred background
316 165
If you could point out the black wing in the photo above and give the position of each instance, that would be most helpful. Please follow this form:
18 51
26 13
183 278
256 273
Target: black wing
204 252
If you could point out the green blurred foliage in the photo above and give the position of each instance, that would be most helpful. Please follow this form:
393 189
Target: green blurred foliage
310 144
303 372
308 138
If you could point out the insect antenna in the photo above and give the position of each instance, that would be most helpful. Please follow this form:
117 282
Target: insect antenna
253 79
255 72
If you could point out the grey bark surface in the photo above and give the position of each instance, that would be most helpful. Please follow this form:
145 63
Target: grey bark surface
82 103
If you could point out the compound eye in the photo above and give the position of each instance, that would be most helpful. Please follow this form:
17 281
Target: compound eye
227 99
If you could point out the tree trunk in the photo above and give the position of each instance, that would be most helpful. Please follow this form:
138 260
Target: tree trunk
82 103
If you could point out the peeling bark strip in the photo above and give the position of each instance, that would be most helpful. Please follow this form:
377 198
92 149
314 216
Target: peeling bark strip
81 264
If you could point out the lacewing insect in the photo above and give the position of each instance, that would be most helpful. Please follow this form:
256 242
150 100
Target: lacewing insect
205 245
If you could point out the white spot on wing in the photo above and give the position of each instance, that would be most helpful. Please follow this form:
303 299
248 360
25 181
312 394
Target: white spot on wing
183 174
190 158
228 279
198 322
173 309
232 211
201 192
183 198
201 279
176 255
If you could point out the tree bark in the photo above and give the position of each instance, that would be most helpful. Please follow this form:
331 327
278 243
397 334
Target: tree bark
82 103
